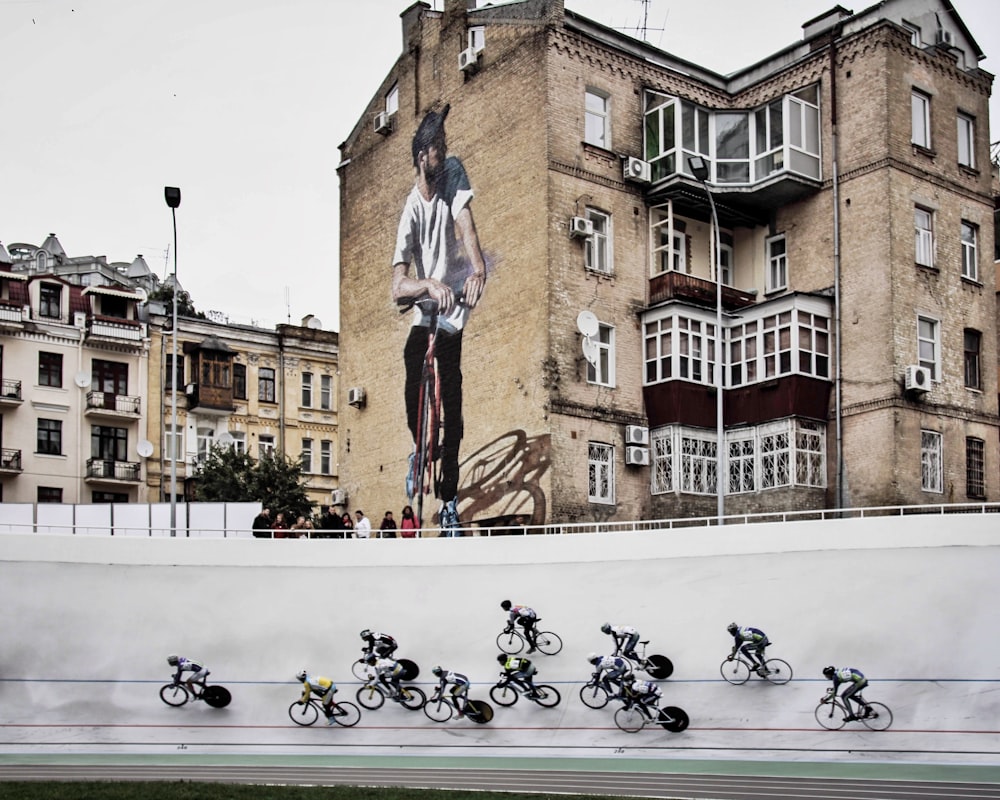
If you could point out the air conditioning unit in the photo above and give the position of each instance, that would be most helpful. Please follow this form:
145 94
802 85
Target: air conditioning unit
636 434
917 379
637 170
468 60
945 37
338 497
356 396
637 456
580 228
383 123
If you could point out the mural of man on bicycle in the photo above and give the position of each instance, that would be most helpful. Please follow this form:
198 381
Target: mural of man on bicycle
437 259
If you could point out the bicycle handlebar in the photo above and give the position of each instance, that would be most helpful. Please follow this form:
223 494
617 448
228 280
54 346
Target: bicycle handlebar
425 302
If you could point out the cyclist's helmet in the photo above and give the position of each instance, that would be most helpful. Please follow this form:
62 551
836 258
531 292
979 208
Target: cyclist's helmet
371 660
438 670
501 658
828 671
365 633
172 660
732 627
505 605
300 675
593 658
606 627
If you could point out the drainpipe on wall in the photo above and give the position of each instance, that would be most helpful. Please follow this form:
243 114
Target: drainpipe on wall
838 379
281 392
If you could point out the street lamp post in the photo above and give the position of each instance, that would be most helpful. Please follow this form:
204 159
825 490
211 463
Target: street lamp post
699 168
173 197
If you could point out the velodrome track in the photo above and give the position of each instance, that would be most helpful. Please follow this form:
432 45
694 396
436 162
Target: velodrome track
88 622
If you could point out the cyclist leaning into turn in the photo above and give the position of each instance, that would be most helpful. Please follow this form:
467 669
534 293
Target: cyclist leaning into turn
749 641
519 670
459 687
856 681
322 687
523 616
198 672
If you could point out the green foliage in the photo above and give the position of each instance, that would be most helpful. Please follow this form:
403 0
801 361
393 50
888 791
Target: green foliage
185 307
277 482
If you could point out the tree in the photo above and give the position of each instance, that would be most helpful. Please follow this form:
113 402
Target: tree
277 482
185 307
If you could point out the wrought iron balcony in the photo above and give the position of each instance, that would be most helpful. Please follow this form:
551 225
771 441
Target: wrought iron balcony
680 286
103 469
114 405
10 392
10 461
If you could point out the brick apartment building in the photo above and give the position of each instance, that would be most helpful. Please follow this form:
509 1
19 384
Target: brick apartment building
851 182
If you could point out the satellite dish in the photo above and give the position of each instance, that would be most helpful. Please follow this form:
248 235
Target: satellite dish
587 324
315 324
82 379
225 439
590 351
144 448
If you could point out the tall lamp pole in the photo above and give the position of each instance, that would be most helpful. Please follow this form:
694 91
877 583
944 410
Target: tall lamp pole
173 197
699 168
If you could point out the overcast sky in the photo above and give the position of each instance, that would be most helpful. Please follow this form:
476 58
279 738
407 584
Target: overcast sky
242 104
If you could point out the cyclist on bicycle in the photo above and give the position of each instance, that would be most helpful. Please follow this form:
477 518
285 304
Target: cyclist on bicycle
520 671
856 681
389 673
626 638
459 687
198 673
614 669
640 692
322 687
381 644
526 618
751 642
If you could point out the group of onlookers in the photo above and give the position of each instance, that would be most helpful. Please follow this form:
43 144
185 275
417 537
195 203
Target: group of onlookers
335 525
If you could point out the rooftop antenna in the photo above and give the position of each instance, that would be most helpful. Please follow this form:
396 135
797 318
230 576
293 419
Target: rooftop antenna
166 261
288 305
643 28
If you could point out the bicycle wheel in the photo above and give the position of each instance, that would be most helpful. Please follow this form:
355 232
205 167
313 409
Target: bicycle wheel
303 714
410 669
778 671
735 672
504 695
370 697
548 642
478 711
174 694
547 696
830 715
673 719
346 714
659 667
510 643
880 719
360 670
630 719
438 709
594 695
412 697
217 696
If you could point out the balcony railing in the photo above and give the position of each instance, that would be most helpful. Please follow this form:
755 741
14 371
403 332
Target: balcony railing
115 403
11 313
109 470
10 391
10 460
680 286
114 328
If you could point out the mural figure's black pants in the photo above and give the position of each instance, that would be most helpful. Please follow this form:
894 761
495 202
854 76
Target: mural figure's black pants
448 350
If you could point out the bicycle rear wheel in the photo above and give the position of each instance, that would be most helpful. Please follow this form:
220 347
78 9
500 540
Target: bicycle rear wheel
410 669
630 720
880 719
779 672
174 694
593 695
479 711
510 643
673 719
735 672
412 697
659 667
548 696
216 696
346 714
830 715
303 714
548 643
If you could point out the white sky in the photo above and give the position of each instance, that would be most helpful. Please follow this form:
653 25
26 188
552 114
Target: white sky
242 104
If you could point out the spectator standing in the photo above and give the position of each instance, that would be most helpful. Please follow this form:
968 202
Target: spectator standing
262 524
331 524
363 527
302 528
348 525
408 523
280 526
387 530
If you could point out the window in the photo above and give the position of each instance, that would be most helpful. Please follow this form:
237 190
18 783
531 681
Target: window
206 438
306 456
679 347
265 385
108 497
741 461
923 222
307 389
914 31
172 375
173 446
970 251
810 454
699 464
239 442
814 344
326 457
265 445
601 473
239 381
671 252
920 119
49 437
776 345
597 250
602 371
477 38
931 466
726 259
966 141
732 147
392 100
49 297
109 444
777 264
326 392
215 370
110 377
775 456
597 124
658 346
929 345
50 369
49 494
975 467
973 348
662 451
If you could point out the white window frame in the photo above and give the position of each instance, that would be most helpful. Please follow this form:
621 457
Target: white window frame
600 473
265 445
698 467
326 392
810 454
914 31
603 373
239 442
663 446
777 263
597 118
477 38
929 344
741 461
306 455
326 457
923 225
970 251
307 389
920 119
206 439
173 446
726 263
931 462
392 100
966 140
598 250
775 452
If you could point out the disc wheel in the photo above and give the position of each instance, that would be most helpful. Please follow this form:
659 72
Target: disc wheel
735 672
659 667
410 669
673 719
478 711
880 719
504 695
779 672
371 698
174 694
594 696
830 716
346 714
303 714
217 696
548 696
548 643
510 643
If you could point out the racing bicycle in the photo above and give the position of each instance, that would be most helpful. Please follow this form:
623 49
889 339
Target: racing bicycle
506 692
657 666
374 693
345 714
635 716
441 708
177 694
512 641
738 669
361 670
595 692
832 714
